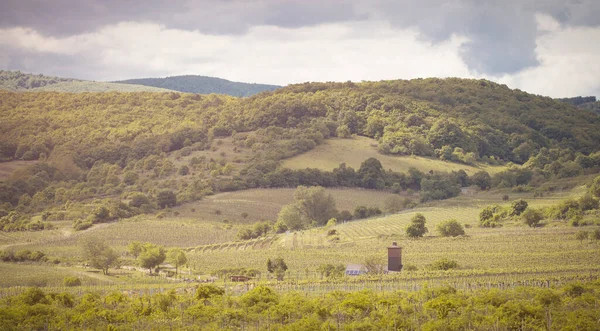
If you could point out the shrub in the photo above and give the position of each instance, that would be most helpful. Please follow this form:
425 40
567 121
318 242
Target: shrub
444 264
532 217
450 228
417 227
71 281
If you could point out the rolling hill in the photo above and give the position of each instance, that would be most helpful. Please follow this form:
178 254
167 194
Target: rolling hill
202 85
20 82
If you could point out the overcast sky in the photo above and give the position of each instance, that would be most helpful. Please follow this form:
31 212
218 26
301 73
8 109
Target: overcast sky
548 47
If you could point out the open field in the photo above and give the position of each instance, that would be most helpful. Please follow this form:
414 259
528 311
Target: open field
87 86
264 204
7 168
353 152
512 253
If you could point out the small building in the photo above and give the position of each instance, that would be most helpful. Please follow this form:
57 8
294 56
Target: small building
471 190
355 269
239 278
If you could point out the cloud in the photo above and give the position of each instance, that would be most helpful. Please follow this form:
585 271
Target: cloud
568 59
350 51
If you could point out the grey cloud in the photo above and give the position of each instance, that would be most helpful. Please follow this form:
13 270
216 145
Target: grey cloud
502 32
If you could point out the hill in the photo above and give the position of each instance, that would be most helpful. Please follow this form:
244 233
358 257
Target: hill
166 149
202 85
587 103
19 82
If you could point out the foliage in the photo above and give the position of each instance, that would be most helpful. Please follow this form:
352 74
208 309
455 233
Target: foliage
71 281
278 267
151 256
99 254
517 207
375 265
444 264
595 188
314 204
166 198
532 216
492 216
331 270
177 257
450 228
417 227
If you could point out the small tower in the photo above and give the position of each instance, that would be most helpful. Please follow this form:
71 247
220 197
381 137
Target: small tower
394 258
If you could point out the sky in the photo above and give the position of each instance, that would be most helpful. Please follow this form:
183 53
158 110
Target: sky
547 47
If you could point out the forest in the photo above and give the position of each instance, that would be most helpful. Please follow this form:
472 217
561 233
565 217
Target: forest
202 85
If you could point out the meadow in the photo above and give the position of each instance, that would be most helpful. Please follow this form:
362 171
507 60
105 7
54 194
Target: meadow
354 151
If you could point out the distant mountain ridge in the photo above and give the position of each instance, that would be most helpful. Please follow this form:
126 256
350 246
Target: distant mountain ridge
203 85
17 81
588 103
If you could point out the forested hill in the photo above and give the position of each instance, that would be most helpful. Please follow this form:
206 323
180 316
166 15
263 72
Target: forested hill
203 85
18 81
429 117
587 103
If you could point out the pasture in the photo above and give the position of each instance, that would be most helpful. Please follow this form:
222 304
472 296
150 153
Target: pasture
354 151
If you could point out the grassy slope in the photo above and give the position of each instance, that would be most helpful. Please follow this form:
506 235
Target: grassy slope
354 151
265 203
85 86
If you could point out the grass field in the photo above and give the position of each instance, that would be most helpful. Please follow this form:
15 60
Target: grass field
87 86
353 152
264 204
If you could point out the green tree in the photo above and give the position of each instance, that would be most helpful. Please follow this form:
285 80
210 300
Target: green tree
595 187
375 264
417 227
290 216
166 198
450 228
151 256
517 207
177 257
277 267
371 174
99 254
481 179
134 248
138 199
532 217
314 204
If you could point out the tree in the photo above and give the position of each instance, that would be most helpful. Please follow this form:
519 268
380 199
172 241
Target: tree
99 254
134 248
314 204
481 179
417 227
138 199
595 187
151 256
518 207
371 174
532 217
450 228
277 267
375 264
166 198
290 216
177 257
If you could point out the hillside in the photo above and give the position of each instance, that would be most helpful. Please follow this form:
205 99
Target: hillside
20 82
202 85
435 135
587 103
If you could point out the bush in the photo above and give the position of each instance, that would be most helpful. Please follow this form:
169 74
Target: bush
417 227
532 217
71 281
444 264
450 228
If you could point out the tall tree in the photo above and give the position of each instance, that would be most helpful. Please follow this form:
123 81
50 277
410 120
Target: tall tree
177 257
99 254
314 204
151 256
